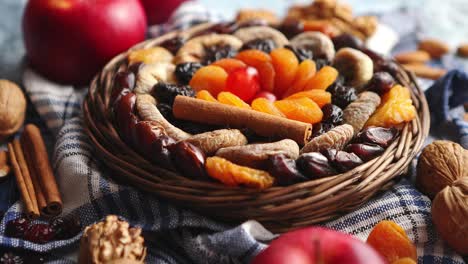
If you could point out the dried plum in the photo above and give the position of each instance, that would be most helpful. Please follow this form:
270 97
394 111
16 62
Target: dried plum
284 170
320 63
381 83
265 45
166 111
332 114
342 95
315 165
378 135
166 93
321 128
218 52
291 27
365 151
347 40
301 54
173 44
185 71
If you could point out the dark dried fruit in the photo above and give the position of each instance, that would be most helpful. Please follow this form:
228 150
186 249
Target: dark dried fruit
135 67
166 111
345 161
185 71
65 228
39 233
332 114
220 28
146 133
342 95
217 52
160 153
382 64
173 44
365 151
17 227
252 23
315 165
291 27
190 159
124 79
193 127
347 40
284 170
321 128
265 45
320 63
330 154
378 135
166 93
301 54
375 57
125 118
10 258
381 83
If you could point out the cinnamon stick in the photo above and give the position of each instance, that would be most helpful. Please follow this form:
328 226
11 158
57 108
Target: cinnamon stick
39 162
205 112
23 179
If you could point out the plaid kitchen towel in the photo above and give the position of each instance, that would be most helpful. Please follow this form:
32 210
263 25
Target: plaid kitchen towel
172 234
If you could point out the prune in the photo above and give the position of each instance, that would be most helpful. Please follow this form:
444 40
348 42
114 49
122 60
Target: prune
301 54
65 228
265 45
342 95
320 63
347 40
17 227
160 153
193 127
173 44
166 93
345 161
284 170
166 111
39 233
190 159
291 27
217 52
365 151
321 128
185 71
381 83
332 114
315 165
378 135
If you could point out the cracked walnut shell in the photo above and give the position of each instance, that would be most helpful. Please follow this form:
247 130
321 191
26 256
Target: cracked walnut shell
12 108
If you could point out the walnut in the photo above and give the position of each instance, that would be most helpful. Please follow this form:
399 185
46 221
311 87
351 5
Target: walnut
12 108
112 241
449 213
440 164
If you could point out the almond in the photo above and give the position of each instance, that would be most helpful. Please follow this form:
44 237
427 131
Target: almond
425 71
462 50
413 57
434 47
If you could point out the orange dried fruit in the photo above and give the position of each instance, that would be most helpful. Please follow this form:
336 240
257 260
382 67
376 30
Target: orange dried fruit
405 261
262 62
229 64
305 72
323 79
321 97
205 95
231 99
210 78
235 175
322 26
266 106
396 108
300 109
391 241
285 64
150 55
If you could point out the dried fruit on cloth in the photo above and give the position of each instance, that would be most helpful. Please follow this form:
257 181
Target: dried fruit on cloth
396 108
391 241
236 175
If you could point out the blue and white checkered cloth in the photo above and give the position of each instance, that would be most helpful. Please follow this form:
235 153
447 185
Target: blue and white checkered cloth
172 234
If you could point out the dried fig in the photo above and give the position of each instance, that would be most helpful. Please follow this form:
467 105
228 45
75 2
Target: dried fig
210 142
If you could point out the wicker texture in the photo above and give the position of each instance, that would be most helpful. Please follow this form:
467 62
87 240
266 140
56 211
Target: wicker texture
279 208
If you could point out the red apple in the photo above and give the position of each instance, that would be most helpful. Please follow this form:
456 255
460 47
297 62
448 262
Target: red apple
68 41
159 11
316 245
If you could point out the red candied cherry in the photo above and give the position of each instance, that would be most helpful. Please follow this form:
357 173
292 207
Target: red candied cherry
267 95
243 82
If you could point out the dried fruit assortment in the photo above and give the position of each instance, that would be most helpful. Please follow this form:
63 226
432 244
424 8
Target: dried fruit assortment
340 100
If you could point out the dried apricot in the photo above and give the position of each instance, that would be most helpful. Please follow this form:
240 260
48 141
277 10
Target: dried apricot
231 99
405 261
266 106
305 72
395 109
262 62
286 64
321 97
205 95
150 55
391 241
323 79
210 78
234 175
321 26
301 109
230 64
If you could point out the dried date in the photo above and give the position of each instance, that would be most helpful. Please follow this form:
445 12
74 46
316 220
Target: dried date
345 161
160 154
146 133
284 170
378 135
190 160
315 165
365 152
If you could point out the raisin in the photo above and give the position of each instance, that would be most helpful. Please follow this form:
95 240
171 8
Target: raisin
345 161
342 95
321 128
284 170
378 135
347 40
65 228
39 233
166 93
17 227
173 44
265 45
166 111
381 83
185 71
301 54
161 155
190 159
365 151
291 27
315 165
320 63
217 52
332 114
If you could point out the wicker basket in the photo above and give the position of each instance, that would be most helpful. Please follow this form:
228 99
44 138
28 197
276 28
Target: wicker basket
279 208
